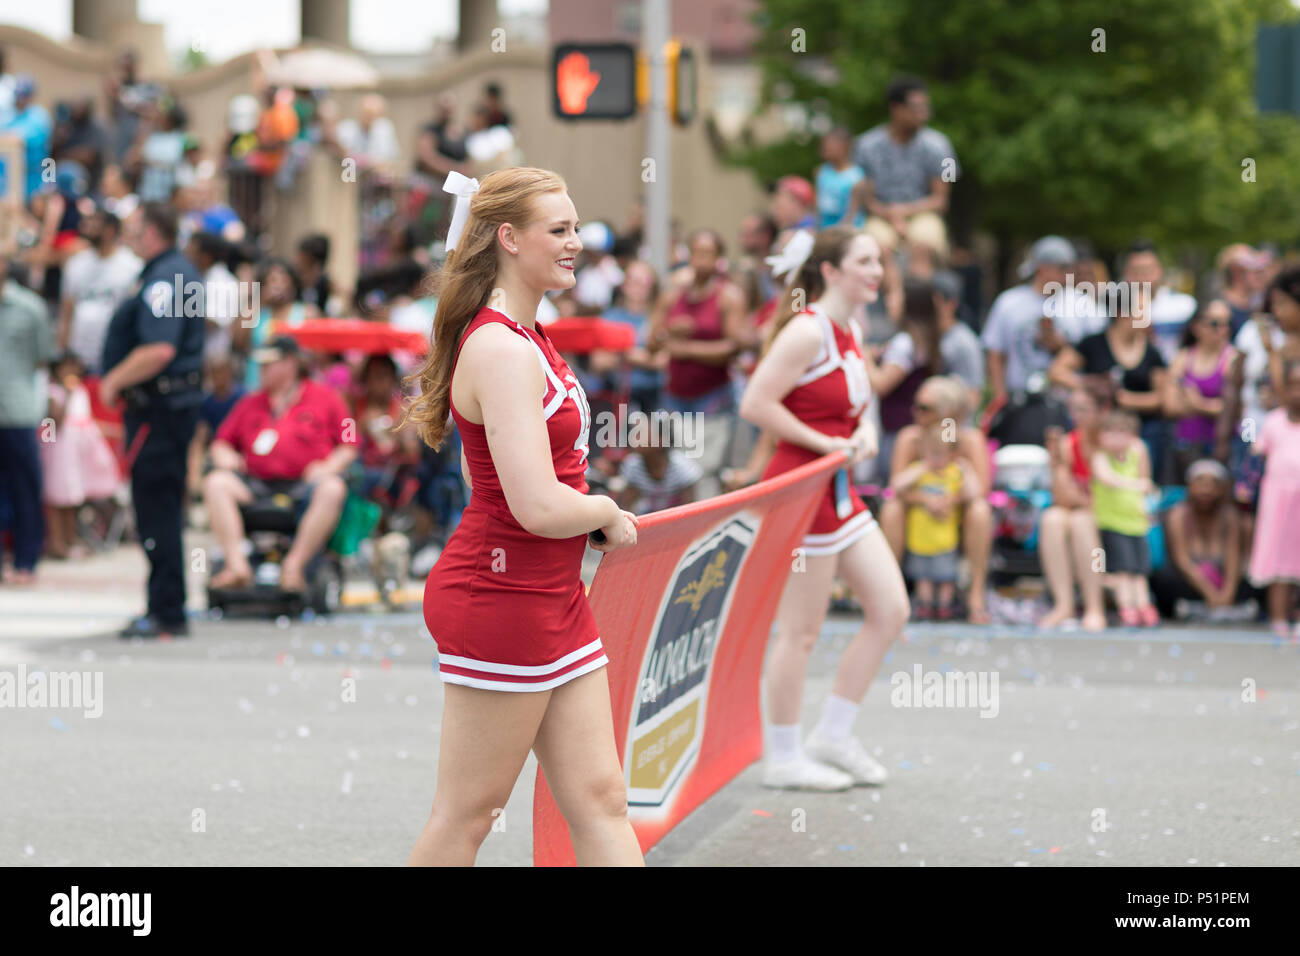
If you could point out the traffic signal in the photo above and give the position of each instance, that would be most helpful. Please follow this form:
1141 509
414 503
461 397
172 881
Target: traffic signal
681 82
612 80
594 81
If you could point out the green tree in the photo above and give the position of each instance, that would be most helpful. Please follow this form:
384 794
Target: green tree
1081 117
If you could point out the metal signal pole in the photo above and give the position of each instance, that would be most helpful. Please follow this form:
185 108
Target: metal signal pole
655 16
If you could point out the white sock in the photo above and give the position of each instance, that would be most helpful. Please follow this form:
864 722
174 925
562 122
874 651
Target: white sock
785 742
838 715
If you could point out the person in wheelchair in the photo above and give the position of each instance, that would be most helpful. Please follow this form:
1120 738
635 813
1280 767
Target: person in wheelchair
292 436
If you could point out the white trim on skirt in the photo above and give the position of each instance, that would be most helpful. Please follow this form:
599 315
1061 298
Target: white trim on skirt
834 542
487 670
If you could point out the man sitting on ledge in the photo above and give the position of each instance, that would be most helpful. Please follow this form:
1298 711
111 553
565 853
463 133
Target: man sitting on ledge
294 436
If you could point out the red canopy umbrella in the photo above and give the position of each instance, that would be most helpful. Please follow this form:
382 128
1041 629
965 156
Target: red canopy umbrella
576 334
355 335
581 334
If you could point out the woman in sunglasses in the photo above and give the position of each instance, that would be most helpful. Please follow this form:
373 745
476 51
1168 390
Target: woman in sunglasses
1125 354
809 391
1194 390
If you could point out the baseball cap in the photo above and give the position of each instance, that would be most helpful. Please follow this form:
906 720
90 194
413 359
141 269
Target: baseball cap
1048 251
24 86
282 346
798 187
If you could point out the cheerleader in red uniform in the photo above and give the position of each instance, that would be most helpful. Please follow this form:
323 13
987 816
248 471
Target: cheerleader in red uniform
518 652
809 391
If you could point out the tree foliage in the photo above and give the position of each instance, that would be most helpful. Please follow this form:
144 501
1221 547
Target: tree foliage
1054 135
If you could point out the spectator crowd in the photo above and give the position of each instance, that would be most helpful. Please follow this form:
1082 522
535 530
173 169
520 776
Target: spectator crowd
1153 420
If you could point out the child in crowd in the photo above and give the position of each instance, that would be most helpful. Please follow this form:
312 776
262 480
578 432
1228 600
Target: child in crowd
1121 479
945 482
655 477
221 395
1275 560
76 461
388 459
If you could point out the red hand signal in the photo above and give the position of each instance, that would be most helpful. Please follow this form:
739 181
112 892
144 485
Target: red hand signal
574 81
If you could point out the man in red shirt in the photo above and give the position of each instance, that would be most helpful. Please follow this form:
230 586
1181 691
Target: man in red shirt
294 436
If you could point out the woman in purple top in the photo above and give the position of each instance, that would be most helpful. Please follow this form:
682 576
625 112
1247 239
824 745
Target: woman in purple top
1194 390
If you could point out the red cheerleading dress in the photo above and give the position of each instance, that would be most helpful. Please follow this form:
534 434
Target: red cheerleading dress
830 397
507 608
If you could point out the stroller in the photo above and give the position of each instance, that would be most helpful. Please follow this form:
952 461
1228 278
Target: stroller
1022 480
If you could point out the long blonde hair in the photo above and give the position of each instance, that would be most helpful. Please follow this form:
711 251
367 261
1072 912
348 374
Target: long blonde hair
831 245
465 282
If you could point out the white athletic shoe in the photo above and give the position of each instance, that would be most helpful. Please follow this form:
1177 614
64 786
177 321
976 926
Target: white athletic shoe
804 774
848 755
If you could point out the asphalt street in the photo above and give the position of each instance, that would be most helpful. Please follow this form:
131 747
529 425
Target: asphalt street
315 742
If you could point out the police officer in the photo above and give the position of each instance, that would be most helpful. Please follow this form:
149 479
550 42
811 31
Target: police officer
153 356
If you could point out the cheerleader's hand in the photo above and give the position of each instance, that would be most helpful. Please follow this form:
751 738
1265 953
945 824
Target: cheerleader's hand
831 445
867 445
620 534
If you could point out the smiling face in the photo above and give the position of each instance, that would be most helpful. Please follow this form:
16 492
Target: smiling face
859 273
544 252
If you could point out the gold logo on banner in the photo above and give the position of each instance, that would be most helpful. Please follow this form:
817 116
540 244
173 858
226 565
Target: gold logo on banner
696 591
671 705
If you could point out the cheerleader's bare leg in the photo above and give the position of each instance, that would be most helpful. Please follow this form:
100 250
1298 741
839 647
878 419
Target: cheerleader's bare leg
868 567
485 739
799 622
575 746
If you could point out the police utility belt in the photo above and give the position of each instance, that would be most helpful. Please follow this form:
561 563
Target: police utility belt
165 391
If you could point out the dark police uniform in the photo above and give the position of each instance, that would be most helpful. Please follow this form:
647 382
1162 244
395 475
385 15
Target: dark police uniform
169 406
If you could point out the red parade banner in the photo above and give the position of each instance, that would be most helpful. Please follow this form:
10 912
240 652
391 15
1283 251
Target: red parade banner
685 617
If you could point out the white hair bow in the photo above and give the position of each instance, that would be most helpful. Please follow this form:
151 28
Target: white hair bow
462 187
793 256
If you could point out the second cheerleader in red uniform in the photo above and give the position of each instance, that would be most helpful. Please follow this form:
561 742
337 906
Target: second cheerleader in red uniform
809 392
522 664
